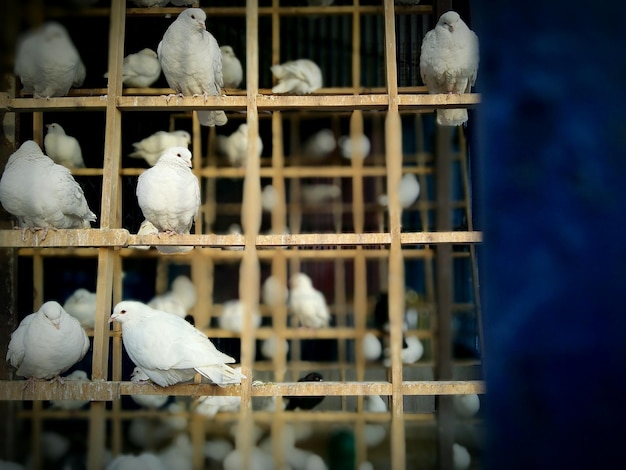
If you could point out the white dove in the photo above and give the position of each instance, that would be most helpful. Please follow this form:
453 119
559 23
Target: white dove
461 458
217 449
300 77
78 376
375 404
467 405
411 353
408 192
273 292
169 194
347 148
307 305
231 318
179 299
152 402
140 69
449 63
62 148
235 146
269 198
192 62
82 306
320 144
168 349
152 147
372 347
143 461
231 68
268 347
212 404
47 62
47 343
42 194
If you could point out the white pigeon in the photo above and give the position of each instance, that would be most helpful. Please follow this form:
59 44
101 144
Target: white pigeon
467 405
300 77
212 404
320 193
47 343
192 62
168 349
408 192
62 148
47 62
411 353
320 144
231 318
169 195
374 434
273 292
307 305
372 347
140 69
78 376
269 198
178 454
449 63
143 461
152 147
347 148
374 404
82 306
179 299
268 347
461 458
152 402
231 68
217 449
235 146
42 194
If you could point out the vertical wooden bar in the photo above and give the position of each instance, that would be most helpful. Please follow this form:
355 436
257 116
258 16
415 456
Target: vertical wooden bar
249 278
109 218
444 296
393 147
38 287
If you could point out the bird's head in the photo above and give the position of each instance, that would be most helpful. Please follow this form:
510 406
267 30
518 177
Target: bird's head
52 311
124 310
177 156
299 280
449 20
196 16
55 128
228 51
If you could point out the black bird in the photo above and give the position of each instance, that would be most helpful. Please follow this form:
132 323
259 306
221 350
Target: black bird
305 403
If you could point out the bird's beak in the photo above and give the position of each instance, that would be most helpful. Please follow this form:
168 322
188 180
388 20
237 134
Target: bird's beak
112 317
202 25
56 324
451 27
47 126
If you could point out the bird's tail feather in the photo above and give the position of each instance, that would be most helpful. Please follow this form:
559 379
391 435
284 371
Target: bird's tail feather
221 374
212 118
451 117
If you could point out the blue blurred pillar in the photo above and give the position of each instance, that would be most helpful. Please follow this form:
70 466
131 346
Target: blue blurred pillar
552 151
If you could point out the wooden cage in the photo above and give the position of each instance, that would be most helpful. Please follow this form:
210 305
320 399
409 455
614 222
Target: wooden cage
351 246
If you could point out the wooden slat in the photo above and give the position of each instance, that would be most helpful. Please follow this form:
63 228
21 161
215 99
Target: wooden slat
108 391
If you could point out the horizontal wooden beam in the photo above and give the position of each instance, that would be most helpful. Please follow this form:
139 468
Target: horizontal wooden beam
318 101
107 391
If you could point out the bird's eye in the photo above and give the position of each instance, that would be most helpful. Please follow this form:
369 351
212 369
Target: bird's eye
122 312
179 155
193 17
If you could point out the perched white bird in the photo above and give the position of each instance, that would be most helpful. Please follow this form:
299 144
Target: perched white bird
268 347
235 146
467 405
178 300
78 376
408 191
152 147
320 193
47 62
273 292
306 304
143 461
320 144
82 306
372 347
152 402
300 77
192 62
168 349
169 195
374 434
411 353
375 404
140 69
231 318
41 193
347 148
449 63
461 458
217 449
47 343
212 404
178 454
269 198
62 148
231 68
